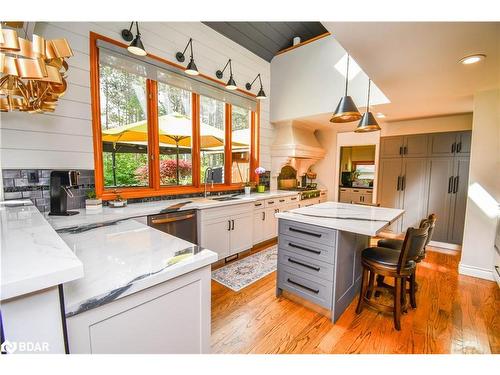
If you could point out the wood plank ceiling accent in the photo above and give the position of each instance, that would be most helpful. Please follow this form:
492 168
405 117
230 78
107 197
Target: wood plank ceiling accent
266 39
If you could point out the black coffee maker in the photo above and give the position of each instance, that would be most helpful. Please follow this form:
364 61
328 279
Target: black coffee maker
61 183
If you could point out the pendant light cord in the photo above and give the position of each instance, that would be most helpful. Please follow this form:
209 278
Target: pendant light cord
347 75
368 99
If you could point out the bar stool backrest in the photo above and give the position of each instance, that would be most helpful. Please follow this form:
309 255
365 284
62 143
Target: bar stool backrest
431 221
413 245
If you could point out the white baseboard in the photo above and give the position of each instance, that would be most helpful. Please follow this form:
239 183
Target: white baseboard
481 273
445 245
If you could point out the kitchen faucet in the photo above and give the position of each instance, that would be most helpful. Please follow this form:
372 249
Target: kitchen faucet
211 179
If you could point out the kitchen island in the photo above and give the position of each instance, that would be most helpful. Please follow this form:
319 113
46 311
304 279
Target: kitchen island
319 251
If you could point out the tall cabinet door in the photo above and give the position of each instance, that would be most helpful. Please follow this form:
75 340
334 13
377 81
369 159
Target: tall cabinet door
241 235
459 201
440 194
390 194
414 191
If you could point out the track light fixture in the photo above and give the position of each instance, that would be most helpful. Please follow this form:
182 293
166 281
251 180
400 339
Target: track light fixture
231 84
261 94
191 68
368 122
136 47
346 110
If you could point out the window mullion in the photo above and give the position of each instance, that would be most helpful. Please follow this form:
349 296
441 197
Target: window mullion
228 146
196 142
153 137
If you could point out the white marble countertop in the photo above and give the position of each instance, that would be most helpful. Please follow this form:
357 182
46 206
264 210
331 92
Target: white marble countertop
33 256
151 208
124 258
353 218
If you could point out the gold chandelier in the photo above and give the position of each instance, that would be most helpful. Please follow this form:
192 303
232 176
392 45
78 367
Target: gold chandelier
32 73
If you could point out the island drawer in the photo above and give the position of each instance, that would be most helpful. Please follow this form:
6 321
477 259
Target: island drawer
304 247
310 233
312 288
305 264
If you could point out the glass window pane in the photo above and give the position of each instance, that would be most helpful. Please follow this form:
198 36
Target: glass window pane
212 137
240 144
175 135
124 127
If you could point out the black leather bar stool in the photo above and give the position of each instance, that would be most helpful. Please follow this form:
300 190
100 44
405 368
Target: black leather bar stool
389 263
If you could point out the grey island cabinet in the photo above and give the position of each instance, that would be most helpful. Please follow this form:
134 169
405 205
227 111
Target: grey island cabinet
319 251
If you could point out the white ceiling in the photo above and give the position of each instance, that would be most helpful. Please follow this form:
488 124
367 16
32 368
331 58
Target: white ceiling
416 64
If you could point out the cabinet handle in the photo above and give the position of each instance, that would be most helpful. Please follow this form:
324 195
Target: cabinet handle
399 183
450 184
403 183
171 219
282 200
405 150
315 291
291 260
276 210
318 235
263 216
455 185
459 146
257 204
400 150
229 225
270 202
453 147
293 198
304 248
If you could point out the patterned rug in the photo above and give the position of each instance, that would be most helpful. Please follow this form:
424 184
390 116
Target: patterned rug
246 271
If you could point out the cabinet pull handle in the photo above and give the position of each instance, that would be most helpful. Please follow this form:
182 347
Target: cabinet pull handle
304 248
293 198
276 210
455 185
453 147
459 146
315 291
229 225
400 150
257 204
270 202
450 184
291 260
171 219
263 215
405 150
318 235
403 183
399 183
282 200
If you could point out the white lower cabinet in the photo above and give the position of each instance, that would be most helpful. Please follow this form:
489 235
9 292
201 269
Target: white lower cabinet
215 236
240 234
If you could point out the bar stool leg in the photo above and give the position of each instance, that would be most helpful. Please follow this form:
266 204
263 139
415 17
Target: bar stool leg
362 292
371 285
413 297
397 303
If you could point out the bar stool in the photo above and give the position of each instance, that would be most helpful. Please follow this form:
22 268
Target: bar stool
396 245
389 263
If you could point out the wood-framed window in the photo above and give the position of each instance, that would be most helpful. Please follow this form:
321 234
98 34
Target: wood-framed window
153 136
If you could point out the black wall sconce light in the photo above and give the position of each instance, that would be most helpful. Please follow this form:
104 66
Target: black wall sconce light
191 68
136 47
261 94
231 84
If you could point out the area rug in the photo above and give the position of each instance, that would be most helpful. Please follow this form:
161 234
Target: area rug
246 271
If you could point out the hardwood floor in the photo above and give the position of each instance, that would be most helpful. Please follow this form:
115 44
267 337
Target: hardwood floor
455 314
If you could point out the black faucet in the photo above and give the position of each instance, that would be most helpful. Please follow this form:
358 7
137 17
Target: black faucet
60 184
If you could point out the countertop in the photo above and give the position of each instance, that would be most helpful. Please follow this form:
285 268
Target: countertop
356 187
124 258
353 218
151 208
33 255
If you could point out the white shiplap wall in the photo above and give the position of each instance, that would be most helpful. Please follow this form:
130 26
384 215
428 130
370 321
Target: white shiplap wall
63 139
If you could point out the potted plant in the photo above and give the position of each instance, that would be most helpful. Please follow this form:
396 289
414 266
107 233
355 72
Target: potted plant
248 188
92 202
260 187
118 201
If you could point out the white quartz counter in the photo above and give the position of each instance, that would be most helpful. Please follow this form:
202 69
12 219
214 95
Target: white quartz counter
33 255
347 217
152 208
124 258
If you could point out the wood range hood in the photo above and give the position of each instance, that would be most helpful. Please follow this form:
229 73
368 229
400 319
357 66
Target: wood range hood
295 144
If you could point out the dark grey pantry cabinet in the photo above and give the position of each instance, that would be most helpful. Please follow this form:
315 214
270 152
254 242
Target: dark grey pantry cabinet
423 182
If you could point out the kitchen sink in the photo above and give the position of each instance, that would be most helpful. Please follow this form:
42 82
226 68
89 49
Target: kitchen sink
223 199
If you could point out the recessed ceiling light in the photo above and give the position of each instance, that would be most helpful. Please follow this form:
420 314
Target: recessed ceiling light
472 59
380 115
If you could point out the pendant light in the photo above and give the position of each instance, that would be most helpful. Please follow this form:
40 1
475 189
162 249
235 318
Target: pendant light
368 122
191 68
231 84
261 94
136 47
346 110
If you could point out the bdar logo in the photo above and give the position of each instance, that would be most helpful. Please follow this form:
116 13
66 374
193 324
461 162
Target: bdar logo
8 347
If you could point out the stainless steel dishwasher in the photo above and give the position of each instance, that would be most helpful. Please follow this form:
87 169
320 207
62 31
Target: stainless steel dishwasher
180 224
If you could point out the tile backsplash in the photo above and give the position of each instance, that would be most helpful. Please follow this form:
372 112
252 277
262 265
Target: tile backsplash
34 184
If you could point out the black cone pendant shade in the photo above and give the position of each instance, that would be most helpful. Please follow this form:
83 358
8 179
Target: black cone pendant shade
346 110
191 68
261 94
231 84
368 122
136 47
